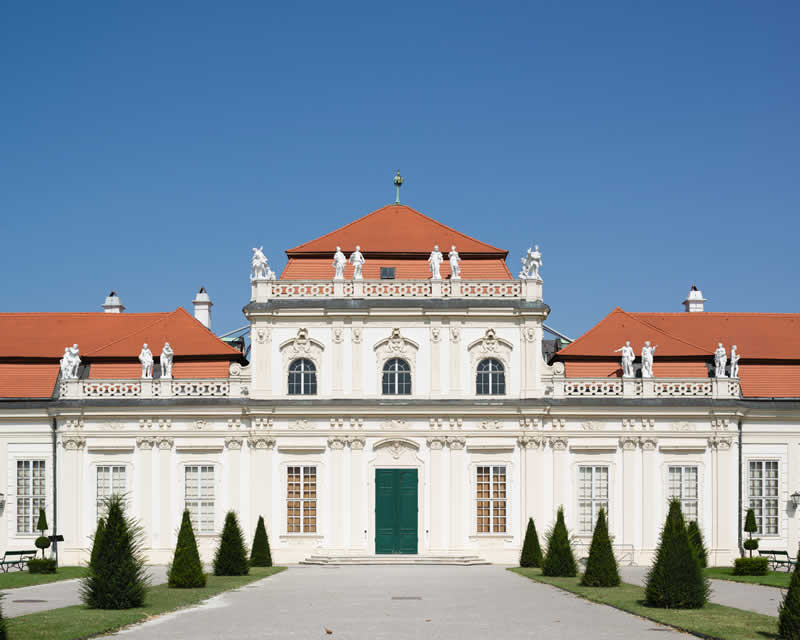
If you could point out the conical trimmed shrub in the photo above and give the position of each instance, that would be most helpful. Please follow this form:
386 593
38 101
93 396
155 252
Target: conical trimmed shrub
751 544
98 534
231 556
559 560
789 616
117 578
696 538
260 555
186 570
531 555
3 630
676 580
601 567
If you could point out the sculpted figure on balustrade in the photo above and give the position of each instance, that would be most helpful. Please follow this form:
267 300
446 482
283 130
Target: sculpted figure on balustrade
455 267
166 361
357 260
734 362
628 356
146 358
647 359
339 263
435 261
720 358
70 363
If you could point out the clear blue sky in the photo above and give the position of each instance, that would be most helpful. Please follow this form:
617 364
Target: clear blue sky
643 145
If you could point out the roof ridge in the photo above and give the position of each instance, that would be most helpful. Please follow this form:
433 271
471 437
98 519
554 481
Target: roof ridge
205 328
163 317
664 332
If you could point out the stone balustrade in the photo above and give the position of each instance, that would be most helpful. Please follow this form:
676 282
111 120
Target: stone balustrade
264 290
149 389
717 388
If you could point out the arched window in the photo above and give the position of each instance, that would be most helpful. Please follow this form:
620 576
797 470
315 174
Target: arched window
491 380
302 378
396 378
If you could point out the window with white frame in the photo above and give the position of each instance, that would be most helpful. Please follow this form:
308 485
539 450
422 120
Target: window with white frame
301 499
491 378
592 495
199 496
682 485
30 494
110 481
302 377
763 495
491 492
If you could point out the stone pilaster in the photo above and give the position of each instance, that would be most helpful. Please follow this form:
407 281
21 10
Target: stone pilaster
650 489
72 472
439 515
260 448
162 496
458 492
629 476
358 497
144 476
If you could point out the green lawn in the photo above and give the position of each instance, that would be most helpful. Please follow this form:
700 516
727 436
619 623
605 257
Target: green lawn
712 621
772 579
73 623
14 579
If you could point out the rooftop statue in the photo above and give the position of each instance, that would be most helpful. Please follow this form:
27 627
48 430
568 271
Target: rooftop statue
628 356
734 362
166 361
720 358
455 267
531 263
435 261
70 363
259 266
339 262
357 260
647 359
146 358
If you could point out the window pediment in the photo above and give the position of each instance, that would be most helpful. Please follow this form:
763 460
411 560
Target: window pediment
490 346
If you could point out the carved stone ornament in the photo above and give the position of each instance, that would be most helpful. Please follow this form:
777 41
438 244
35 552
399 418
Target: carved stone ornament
455 333
356 442
302 346
436 443
145 443
435 423
683 426
436 334
529 442
235 370
628 443
592 426
558 444
200 424
396 346
262 335
73 423
558 423
338 335
648 424
627 424
233 443
260 442
356 335
649 444
456 444
490 346
529 334
234 424
720 424
301 424
491 424
456 423
558 369
262 423
721 443
395 424
165 443
73 443
337 443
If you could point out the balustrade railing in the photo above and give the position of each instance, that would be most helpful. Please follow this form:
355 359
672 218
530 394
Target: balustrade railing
146 389
645 387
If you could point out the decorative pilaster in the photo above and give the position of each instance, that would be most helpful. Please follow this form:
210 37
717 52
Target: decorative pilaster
163 486
630 482
650 482
455 360
260 449
439 511
358 497
436 350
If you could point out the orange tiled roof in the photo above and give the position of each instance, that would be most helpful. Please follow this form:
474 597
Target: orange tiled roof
131 370
27 380
405 269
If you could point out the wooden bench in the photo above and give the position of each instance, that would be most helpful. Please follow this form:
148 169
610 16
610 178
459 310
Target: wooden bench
16 559
777 559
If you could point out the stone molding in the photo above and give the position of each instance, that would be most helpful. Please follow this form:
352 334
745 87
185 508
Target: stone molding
233 443
258 441
165 443
73 443
145 443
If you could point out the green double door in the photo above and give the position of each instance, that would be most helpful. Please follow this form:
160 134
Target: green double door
396 511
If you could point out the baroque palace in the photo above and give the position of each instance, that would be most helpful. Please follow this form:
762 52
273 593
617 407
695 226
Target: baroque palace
396 404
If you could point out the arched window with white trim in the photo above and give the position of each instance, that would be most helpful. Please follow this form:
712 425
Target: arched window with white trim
396 377
302 378
491 378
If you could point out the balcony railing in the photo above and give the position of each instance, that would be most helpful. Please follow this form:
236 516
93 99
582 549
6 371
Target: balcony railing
149 389
723 388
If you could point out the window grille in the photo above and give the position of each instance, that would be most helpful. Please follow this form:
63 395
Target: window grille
592 496
683 486
491 493
301 499
396 378
30 494
302 378
491 378
200 497
110 481
763 495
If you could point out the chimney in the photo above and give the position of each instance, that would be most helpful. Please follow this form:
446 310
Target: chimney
694 301
202 307
113 304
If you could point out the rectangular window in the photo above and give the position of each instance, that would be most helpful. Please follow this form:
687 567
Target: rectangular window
30 494
491 499
199 492
763 495
683 486
592 496
301 499
110 481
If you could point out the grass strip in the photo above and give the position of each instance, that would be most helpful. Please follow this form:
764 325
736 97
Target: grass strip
76 622
772 579
712 621
17 579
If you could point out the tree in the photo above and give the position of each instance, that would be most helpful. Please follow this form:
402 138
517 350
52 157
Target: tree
531 555
186 571
750 527
231 556
676 580
117 578
559 560
601 568
696 538
98 534
42 542
789 615
3 631
260 555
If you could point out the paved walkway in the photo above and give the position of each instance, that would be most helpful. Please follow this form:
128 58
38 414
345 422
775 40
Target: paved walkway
751 597
18 602
377 603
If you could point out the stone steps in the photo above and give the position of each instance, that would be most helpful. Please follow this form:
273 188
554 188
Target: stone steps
395 559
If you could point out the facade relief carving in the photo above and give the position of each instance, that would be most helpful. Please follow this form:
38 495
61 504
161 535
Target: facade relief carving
396 424
629 443
592 426
530 442
436 335
649 444
558 443
683 426
145 443
491 424
720 424
165 443
455 333
260 442
233 443
722 443
73 443
397 447
356 335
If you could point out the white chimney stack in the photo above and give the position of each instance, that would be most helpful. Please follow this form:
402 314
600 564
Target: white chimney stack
113 304
202 307
694 301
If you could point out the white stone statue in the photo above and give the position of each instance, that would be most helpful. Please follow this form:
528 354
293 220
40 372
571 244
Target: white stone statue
628 356
734 362
720 358
455 267
259 266
357 260
146 358
70 363
647 359
339 262
166 361
531 263
435 261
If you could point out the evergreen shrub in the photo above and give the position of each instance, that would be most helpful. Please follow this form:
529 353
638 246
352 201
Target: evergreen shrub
42 565
531 555
789 613
117 578
231 556
260 555
601 567
750 566
676 580
696 538
186 571
751 544
42 542
559 560
98 534
3 630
